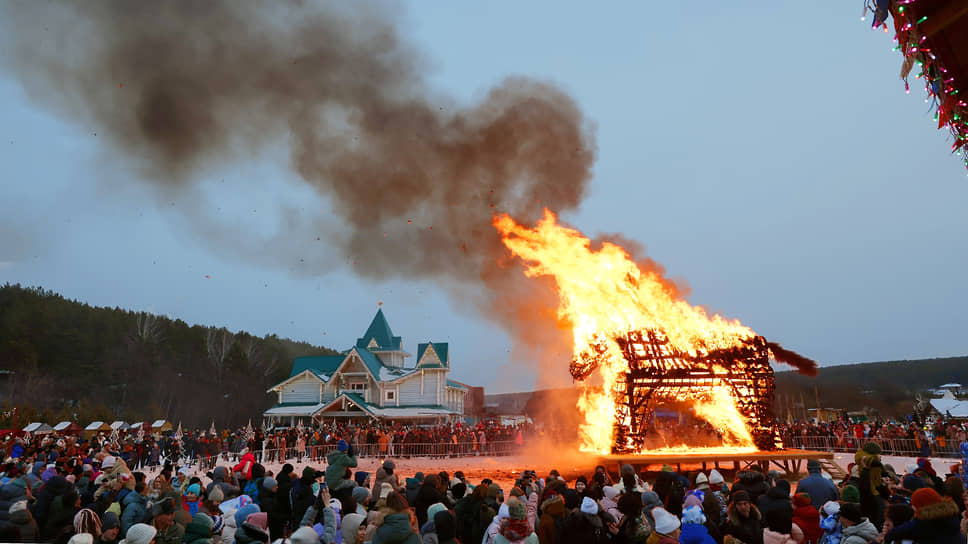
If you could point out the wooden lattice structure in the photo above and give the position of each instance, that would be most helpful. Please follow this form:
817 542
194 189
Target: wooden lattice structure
658 373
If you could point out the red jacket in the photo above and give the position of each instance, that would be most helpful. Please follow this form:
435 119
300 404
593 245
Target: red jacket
244 468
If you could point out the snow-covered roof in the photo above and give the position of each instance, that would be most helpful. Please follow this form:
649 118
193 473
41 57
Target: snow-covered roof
119 426
950 385
158 423
414 411
293 409
948 404
62 425
38 427
94 426
391 373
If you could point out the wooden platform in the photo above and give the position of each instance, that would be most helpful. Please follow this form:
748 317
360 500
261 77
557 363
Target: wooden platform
790 461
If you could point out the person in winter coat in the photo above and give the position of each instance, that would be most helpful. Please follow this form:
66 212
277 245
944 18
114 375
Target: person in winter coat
428 531
743 520
253 487
830 523
515 529
552 520
23 527
429 493
254 528
385 474
819 488
446 527
162 518
323 512
609 502
807 518
780 528
897 515
353 529
222 478
936 520
110 528
191 501
753 482
60 516
589 525
473 516
412 486
396 527
630 481
302 495
244 467
693 529
339 460
134 507
856 528
777 498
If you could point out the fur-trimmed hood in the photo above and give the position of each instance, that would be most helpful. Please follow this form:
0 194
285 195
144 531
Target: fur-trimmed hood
733 516
939 510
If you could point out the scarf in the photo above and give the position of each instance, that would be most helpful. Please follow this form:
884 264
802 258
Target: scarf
515 529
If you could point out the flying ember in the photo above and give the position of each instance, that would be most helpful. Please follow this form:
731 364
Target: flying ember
649 347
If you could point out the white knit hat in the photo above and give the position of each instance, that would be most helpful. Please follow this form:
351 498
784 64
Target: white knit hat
589 506
715 478
610 492
385 490
665 523
81 538
140 533
304 535
108 462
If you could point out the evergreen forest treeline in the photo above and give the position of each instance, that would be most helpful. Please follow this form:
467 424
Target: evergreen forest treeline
66 360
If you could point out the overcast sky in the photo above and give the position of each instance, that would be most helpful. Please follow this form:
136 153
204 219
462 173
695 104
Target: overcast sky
765 153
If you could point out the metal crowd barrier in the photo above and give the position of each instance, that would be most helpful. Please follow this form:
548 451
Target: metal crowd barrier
899 447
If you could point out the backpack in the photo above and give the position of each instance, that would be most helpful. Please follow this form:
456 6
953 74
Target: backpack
252 489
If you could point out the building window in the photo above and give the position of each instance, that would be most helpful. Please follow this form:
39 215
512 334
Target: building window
389 395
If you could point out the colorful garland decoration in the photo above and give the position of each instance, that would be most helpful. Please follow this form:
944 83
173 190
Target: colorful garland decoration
919 46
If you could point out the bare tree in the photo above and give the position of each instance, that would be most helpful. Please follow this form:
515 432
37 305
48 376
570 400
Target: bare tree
254 355
148 329
218 342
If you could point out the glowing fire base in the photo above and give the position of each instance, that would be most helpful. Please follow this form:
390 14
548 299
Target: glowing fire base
659 373
789 460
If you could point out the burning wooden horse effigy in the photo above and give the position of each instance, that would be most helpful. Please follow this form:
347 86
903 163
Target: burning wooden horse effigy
658 372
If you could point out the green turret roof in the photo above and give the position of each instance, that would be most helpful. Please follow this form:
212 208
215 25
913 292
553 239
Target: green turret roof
379 330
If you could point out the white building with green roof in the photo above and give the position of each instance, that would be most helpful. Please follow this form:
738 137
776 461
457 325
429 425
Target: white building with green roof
370 380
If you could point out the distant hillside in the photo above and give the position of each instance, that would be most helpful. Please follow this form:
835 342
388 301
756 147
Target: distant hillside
886 387
62 358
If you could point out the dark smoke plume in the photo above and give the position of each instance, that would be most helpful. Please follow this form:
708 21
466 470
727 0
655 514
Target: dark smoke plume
180 87
807 367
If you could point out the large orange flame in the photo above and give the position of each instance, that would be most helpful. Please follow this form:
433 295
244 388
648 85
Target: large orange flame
604 294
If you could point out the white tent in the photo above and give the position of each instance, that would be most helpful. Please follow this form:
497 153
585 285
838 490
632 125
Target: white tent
119 426
38 428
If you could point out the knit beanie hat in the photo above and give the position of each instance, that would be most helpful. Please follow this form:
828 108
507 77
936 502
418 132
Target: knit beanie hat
831 508
215 495
589 506
610 492
851 512
194 488
87 521
701 480
306 535
665 523
242 513
388 465
109 521
17 507
517 509
693 514
434 508
872 448
715 478
140 533
259 519
342 445
81 538
361 495
108 462
850 494
739 496
912 482
268 483
692 500
801 499
924 497
349 525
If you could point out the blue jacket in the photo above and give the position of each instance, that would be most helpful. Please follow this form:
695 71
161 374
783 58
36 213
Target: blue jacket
135 509
831 529
693 533
819 488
